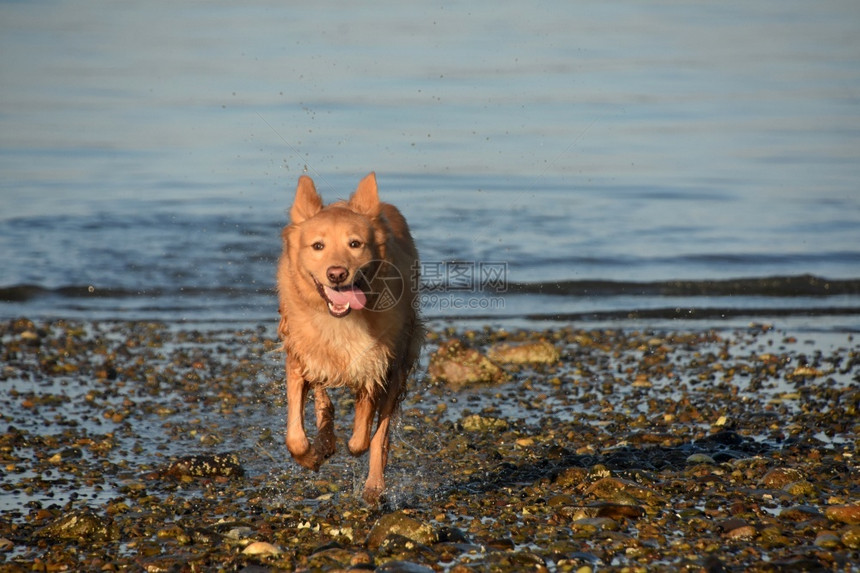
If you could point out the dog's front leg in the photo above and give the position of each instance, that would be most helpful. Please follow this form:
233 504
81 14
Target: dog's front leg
363 423
297 440
325 444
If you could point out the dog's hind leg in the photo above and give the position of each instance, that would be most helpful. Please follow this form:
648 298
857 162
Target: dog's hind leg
375 483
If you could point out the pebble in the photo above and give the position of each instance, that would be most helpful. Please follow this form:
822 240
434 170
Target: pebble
700 459
261 548
204 465
742 532
592 525
478 423
77 524
800 513
396 566
609 459
800 488
849 514
777 478
827 540
851 537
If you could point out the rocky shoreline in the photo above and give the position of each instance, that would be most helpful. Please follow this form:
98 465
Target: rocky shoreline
158 447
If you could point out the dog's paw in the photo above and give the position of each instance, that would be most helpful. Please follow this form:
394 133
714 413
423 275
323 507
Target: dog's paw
324 449
310 461
358 446
373 491
372 497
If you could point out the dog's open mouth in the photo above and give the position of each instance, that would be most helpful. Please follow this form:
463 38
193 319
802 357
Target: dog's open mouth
342 299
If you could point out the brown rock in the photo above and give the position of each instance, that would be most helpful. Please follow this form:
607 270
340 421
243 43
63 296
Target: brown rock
851 537
619 510
623 492
827 539
261 548
777 478
400 523
77 524
849 514
591 525
800 513
743 532
478 423
730 524
571 477
801 488
540 352
217 465
458 365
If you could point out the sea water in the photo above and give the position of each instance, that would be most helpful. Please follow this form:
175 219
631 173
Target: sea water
149 154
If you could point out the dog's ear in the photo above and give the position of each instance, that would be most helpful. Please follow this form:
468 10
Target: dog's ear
365 200
307 202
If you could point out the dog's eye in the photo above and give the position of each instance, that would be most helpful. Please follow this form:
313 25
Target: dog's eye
318 246
354 244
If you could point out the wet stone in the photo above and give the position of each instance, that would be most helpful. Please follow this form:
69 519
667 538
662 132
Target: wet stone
538 352
591 525
330 558
800 513
206 466
849 514
458 365
624 492
403 567
742 532
400 523
827 540
77 524
571 477
800 488
261 548
777 478
700 459
478 423
773 537
582 465
618 511
851 537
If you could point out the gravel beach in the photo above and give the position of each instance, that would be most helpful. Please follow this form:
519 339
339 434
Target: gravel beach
159 447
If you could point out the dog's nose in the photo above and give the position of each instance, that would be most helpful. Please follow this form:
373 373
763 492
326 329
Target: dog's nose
337 274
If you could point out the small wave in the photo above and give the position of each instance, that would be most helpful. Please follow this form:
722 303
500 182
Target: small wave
28 292
705 313
778 286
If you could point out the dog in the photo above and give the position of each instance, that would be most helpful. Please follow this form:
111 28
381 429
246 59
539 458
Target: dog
348 319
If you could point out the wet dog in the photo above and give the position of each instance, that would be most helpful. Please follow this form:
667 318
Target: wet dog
348 318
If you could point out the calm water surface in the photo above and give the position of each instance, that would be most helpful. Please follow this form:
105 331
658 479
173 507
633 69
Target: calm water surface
148 152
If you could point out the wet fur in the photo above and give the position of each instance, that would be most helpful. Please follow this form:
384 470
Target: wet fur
369 351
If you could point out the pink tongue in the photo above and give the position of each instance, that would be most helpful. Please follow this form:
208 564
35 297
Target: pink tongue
349 295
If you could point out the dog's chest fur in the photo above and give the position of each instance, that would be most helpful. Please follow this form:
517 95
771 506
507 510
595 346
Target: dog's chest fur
346 353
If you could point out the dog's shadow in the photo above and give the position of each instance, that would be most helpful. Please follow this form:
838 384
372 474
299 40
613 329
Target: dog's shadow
624 461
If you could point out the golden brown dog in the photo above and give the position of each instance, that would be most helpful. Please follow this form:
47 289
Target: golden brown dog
348 318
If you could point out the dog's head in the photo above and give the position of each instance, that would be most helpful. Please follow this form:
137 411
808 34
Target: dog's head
332 247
